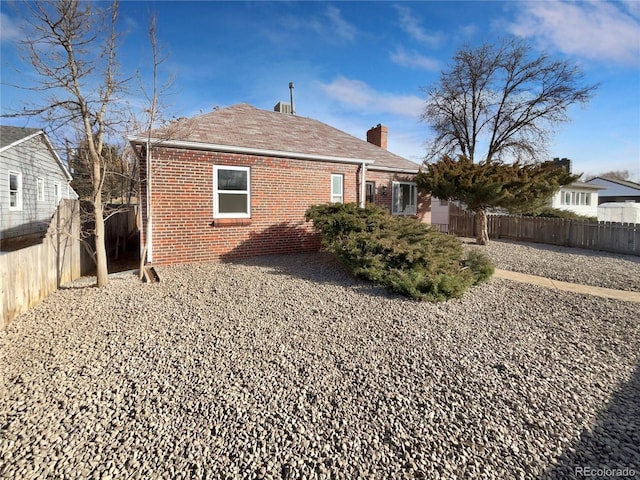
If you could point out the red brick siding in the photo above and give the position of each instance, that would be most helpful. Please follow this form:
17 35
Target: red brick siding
185 231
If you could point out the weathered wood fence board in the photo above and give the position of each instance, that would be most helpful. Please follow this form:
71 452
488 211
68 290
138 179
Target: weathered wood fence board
609 237
28 275
118 228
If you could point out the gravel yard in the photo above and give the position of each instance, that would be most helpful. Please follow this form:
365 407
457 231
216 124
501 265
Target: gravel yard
573 265
285 367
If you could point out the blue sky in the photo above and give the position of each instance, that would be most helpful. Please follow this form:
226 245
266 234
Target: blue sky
357 64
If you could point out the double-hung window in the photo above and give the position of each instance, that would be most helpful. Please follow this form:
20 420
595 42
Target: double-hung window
231 192
57 192
40 193
404 198
337 188
15 191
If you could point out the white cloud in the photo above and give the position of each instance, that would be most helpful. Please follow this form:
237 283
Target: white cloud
412 26
8 28
360 95
414 60
596 30
467 31
331 26
633 6
339 25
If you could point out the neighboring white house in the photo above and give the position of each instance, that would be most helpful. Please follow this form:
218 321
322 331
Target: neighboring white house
33 180
440 214
577 197
619 191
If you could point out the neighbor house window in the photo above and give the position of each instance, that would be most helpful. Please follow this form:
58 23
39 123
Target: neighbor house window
337 188
231 192
57 192
575 198
404 198
15 191
40 193
370 188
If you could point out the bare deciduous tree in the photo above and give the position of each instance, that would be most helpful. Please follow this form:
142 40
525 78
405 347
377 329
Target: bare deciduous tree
498 101
72 47
153 116
616 175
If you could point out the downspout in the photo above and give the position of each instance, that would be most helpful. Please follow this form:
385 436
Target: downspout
149 216
363 180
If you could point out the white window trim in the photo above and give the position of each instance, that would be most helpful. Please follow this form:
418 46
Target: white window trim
18 206
337 197
216 191
40 189
574 198
57 192
394 185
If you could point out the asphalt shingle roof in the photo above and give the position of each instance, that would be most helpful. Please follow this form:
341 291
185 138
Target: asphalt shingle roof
9 135
243 125
625 183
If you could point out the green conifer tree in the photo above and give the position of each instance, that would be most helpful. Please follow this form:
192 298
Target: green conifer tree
514 187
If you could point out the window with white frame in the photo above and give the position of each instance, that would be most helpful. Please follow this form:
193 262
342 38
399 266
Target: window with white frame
40 192
15 191
575 198
57 192
231 192
404 198
337 188
370 192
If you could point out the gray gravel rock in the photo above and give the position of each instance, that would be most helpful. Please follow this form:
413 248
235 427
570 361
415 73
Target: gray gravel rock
574 265
286 367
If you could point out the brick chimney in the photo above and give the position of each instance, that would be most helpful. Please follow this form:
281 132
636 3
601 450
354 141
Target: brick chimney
378 136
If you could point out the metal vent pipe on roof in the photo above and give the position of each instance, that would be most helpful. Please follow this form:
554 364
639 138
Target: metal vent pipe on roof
293 110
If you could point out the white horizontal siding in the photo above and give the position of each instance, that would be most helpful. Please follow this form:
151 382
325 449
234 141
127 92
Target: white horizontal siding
33 160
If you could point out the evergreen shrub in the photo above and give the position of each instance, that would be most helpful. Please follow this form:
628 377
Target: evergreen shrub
549 212
407 256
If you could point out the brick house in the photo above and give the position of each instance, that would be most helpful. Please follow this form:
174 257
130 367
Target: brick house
237 181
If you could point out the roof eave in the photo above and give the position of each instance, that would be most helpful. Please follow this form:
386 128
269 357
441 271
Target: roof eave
134 140
624 183
57 157
586 186
392 169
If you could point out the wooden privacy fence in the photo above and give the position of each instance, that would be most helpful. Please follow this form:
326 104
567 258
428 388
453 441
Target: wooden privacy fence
119 228
28 275
121 223
606 236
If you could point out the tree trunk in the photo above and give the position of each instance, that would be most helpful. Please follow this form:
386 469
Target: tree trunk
143 255
482 238
102 272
